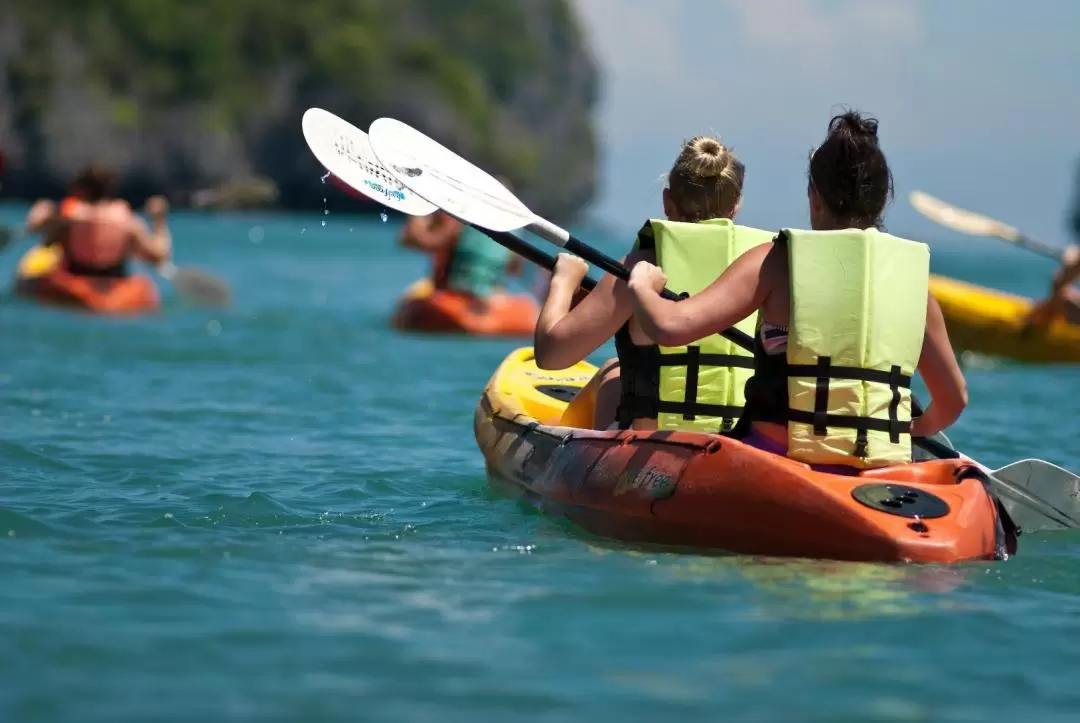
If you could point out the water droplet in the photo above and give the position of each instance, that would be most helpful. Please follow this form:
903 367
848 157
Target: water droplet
326 212
384 217
350 229
303 230
325 176
213 327
168 515
324 223
256 234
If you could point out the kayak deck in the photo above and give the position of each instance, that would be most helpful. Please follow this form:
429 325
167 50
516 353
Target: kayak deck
711 492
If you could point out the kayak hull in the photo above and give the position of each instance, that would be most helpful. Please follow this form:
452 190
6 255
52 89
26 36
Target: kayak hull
711 492
425 309
41 277
993 323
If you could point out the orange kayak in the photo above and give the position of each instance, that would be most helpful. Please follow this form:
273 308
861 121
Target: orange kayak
423 308
41 277
712 492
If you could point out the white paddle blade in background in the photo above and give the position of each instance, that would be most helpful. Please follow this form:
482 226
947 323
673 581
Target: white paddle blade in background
960 220
343 150
445 178
196 285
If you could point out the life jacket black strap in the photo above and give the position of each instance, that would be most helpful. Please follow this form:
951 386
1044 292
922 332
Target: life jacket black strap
847 421
823 372
685 359
690 408
646 238
728 413
893 377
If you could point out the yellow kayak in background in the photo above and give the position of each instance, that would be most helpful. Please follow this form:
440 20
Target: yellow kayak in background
38 261
993 323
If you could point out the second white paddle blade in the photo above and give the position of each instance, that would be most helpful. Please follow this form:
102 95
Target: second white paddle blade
343 150
445 178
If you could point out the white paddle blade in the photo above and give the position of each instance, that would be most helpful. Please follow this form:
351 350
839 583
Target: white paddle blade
1057 489
201 287
960 220
445 178
196 285
343 150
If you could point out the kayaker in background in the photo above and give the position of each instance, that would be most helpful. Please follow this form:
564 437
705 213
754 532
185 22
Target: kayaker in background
1064 299
845 319
99 233
704 190
463 259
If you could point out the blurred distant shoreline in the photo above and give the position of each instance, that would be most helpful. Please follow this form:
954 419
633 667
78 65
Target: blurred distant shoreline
183 99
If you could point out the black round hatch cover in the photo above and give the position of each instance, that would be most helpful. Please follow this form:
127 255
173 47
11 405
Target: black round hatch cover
901 500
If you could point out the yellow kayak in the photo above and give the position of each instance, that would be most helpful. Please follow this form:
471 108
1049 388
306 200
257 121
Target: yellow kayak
38 261
993 323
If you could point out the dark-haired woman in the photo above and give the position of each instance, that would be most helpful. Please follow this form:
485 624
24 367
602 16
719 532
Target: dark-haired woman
845 320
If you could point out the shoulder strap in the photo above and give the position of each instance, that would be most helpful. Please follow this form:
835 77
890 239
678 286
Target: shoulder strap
646 238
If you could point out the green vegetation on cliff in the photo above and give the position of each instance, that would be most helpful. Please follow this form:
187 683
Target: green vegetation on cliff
506 81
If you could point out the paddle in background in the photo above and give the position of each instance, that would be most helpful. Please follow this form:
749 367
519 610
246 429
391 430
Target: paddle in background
345 152
974 224
196 285
458 187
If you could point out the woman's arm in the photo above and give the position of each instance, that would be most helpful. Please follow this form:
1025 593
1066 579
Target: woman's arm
565 336
152 243
430 233
740 291
42 217
941 373
1053 305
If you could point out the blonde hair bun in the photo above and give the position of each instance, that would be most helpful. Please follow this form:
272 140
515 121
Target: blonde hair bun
706 180
709 157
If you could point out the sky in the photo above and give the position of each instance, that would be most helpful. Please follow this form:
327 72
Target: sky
978 100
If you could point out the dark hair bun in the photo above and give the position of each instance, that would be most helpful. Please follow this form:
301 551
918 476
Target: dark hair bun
854 125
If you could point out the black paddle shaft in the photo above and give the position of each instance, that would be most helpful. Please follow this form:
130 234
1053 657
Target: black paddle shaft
528 252
594 256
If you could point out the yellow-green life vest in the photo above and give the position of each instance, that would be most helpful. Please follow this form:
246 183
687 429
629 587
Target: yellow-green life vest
701 384
858 316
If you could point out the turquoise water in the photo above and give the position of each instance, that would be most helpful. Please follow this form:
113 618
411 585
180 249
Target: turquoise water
278 513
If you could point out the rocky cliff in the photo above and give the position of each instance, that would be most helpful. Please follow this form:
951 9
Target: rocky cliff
180 95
